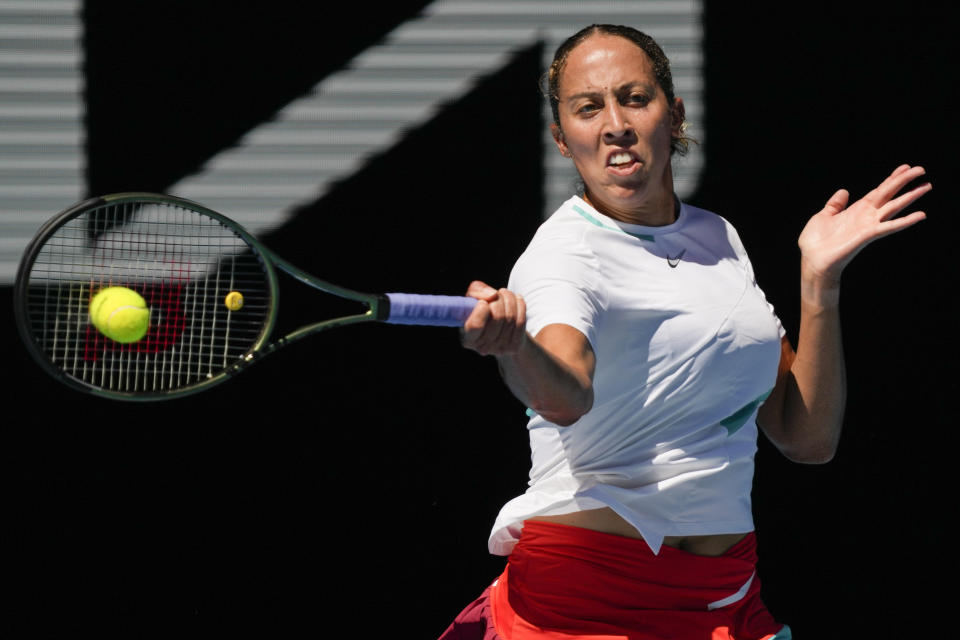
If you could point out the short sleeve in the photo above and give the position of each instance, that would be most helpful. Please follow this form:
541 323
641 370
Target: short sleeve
744 259
559 281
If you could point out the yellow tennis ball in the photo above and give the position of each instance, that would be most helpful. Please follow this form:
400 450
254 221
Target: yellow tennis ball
119 313
234 300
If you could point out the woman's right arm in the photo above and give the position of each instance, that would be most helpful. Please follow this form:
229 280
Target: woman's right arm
551 373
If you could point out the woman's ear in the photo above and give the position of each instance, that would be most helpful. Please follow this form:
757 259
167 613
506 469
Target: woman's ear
678 118
557 133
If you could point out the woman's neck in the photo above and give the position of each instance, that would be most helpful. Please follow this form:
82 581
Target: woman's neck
658 212
656 207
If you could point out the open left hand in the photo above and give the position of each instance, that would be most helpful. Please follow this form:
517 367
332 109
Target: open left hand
837 233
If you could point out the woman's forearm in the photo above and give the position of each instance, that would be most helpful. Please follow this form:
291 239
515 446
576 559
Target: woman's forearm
804 413
816 390
552 374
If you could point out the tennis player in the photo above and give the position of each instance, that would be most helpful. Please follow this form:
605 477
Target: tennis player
634 330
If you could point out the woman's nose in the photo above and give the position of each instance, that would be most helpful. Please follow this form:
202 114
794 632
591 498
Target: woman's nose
616 124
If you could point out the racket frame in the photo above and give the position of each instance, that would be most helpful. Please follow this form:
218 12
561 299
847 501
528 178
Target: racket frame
377 305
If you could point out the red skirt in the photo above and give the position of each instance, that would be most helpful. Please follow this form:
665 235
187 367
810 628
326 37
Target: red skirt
568 583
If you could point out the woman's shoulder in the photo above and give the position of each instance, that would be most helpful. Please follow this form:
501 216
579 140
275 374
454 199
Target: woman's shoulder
718 233
699 216
559 249
562 230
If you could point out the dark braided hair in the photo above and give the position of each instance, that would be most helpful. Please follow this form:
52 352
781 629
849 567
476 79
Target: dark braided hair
661 69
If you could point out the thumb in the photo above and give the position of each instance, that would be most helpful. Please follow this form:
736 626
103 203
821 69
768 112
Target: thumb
837 202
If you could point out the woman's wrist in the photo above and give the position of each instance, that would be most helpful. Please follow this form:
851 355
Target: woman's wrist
818 289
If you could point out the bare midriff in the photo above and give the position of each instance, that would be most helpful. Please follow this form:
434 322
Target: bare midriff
606 520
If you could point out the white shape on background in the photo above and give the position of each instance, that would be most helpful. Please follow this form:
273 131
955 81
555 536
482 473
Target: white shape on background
325 136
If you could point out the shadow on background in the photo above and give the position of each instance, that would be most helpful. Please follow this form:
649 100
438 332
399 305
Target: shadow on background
354 477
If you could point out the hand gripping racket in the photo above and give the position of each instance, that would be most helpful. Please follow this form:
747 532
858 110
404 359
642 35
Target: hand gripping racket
210 286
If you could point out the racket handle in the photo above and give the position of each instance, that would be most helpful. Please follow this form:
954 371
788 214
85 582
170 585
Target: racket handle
435 311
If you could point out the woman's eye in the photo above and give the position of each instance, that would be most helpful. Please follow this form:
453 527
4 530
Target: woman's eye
638 98
587 108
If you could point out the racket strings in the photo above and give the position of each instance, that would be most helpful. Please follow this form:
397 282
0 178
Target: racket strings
183 263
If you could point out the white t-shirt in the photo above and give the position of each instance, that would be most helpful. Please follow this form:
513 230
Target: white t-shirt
686 347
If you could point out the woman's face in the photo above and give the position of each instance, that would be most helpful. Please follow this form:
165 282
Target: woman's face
616 125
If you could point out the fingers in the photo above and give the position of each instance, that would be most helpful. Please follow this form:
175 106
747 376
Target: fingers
898 224
885 204
904 200
497 324
481 291
900 169
896 181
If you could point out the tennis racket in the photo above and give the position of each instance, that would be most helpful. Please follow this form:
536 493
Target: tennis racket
211 288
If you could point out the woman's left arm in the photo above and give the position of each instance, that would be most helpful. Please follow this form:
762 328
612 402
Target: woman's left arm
804 413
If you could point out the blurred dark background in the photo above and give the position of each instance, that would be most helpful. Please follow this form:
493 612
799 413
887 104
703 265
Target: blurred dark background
352 480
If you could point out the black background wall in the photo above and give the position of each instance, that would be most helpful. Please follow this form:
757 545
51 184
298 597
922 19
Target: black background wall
353 479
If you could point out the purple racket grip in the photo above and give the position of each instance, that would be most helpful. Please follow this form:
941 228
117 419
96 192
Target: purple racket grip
435 311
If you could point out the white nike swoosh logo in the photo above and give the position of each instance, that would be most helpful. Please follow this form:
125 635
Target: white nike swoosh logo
673 262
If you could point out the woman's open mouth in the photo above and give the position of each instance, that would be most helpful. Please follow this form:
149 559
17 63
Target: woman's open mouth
622 162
